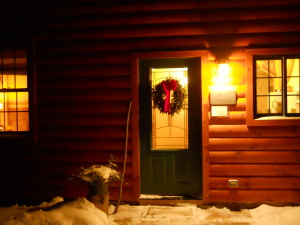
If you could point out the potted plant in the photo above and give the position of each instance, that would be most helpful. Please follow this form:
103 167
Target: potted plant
98 178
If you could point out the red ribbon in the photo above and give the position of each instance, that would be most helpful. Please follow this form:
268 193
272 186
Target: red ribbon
168 86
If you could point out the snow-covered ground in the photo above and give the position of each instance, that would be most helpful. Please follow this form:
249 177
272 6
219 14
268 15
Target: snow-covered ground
82 212
79 212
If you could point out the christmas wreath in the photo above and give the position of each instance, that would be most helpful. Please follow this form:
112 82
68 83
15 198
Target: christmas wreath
169 96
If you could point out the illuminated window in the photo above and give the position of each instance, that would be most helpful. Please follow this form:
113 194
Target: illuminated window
14 94
169 132
277 82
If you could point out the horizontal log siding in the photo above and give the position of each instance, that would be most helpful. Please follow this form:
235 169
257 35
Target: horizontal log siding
265 160
83 86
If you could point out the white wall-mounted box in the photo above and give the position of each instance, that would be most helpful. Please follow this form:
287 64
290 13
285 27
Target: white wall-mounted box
222 97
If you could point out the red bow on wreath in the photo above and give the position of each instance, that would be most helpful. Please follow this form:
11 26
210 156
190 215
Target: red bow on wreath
168 86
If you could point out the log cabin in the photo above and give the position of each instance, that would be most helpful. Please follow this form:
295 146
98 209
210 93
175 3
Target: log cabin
73 71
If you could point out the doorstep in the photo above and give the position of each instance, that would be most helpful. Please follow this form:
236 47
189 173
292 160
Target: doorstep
170 201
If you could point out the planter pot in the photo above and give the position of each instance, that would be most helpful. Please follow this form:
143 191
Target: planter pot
99 195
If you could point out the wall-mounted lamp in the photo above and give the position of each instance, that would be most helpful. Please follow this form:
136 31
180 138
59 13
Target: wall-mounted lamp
222 94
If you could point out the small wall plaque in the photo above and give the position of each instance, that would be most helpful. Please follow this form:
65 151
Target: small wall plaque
233 183
219 111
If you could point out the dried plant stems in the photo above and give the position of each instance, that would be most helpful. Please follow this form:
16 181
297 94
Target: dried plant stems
125 159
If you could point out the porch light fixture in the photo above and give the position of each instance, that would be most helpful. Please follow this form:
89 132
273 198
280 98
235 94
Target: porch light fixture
222 94
221 76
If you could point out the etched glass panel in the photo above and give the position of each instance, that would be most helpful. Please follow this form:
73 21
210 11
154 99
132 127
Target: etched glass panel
170 132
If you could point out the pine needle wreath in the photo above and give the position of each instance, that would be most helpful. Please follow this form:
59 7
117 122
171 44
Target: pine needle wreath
177 98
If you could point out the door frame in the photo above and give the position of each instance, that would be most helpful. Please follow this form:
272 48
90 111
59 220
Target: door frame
135 57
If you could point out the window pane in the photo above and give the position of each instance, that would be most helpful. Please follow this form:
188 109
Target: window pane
275 86
22 101
11 121
21 79
262 104
1 121
23 121
292 85
268 68
293 104
292 67
8 81
276 104
11 100
2 105
275 68
262 86
262 68
169 132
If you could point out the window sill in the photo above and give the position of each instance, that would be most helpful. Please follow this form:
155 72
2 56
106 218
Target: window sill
278 118
16 137
274 121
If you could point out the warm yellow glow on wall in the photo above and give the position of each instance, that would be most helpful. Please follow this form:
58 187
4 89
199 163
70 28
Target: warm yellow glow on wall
222 75
222 90
221 79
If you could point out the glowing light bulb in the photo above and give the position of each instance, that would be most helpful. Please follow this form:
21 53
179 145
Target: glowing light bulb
222 75
223 69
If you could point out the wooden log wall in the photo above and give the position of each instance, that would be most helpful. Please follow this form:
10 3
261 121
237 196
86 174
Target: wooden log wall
265 160
82 69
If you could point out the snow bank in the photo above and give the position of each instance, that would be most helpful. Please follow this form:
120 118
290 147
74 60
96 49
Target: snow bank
78 212
270 215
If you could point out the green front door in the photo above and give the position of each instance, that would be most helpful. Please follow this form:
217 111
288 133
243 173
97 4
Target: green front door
170 146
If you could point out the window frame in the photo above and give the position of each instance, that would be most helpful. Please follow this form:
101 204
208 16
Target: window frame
267 120
29 135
